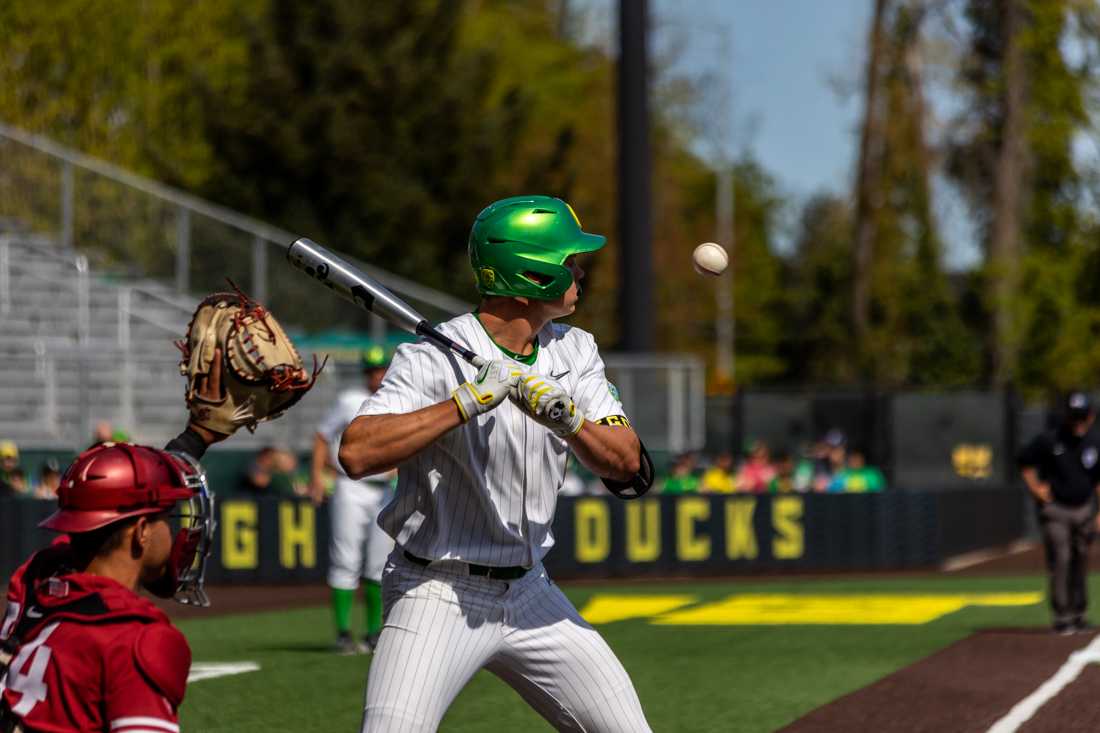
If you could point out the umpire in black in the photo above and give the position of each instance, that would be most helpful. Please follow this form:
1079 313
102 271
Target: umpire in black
1062 472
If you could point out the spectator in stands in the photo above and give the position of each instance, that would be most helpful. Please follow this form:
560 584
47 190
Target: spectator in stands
102 433
757 471
682 480
857 477
830 456
270 473
805 469
719 478
49 480
9 465
785 479
17 479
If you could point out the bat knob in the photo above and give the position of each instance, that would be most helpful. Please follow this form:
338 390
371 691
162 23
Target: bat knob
556 410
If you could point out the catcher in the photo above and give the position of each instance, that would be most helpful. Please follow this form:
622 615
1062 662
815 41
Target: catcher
80 650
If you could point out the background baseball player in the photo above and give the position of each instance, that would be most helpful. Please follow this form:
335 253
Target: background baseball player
358 546
481 456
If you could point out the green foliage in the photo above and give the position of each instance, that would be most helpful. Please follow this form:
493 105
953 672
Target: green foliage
687 304
362 125
818 342
1054 308
117 80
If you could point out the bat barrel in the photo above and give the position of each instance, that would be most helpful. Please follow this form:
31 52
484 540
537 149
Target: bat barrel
350 283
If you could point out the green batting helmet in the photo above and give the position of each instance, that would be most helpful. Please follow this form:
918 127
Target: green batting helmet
376 357
518 247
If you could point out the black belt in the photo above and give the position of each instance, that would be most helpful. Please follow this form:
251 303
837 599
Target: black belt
489 571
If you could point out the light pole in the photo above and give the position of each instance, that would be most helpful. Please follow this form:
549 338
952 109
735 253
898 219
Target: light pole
725 330
722 131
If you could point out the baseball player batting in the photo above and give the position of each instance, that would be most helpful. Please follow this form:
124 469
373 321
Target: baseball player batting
481 454
358 547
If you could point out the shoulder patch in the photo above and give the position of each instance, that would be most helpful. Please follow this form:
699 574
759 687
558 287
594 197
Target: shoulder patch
163 656
614 391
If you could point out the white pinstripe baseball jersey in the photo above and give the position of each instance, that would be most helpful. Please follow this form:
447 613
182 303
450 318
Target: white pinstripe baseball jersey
485 492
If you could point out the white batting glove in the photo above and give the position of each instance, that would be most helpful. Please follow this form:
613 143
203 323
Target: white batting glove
547 403
490 386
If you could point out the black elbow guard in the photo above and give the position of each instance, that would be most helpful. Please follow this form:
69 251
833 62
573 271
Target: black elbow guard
638 485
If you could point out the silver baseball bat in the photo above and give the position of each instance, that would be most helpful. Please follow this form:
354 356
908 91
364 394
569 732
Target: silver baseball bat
355 286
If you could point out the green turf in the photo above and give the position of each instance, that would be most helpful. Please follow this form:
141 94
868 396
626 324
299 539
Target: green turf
689 678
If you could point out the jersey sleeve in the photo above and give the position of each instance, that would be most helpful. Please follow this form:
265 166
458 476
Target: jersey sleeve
416 378
146 675
596 397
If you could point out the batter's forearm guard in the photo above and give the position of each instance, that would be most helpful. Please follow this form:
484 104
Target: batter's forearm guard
639 484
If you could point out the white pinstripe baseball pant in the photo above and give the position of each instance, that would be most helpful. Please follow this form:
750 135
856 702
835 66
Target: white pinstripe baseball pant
441 627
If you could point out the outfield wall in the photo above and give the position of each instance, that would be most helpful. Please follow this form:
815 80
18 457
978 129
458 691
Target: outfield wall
277 541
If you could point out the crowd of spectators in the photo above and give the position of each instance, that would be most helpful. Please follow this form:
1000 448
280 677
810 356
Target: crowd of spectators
828 466
14 479
273 472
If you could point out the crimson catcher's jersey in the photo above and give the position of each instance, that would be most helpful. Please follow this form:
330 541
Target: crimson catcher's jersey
87 654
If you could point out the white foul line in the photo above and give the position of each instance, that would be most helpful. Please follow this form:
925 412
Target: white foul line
1022 711
210 670
970 559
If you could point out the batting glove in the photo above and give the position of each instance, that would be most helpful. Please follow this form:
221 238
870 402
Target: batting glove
547 403
494 382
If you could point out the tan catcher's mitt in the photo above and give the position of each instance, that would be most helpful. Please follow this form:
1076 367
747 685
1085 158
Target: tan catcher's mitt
262 375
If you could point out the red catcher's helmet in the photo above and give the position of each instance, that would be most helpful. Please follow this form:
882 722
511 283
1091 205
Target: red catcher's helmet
114 481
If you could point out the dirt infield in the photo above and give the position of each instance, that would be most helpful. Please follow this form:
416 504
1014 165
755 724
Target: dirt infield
233 599
967 687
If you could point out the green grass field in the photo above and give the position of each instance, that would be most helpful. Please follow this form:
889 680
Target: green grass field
690 678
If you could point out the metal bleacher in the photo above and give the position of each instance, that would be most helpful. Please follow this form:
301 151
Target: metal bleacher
83 342
79 347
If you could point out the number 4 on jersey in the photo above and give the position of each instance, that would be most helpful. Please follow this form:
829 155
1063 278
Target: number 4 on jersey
31 682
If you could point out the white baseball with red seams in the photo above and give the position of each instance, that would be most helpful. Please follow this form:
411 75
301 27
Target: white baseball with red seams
485 493
710 259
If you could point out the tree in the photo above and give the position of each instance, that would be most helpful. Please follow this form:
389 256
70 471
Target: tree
1012 155
117 81
867 195
904 312
818 342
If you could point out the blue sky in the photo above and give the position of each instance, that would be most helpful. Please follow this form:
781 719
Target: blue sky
784 59
794 69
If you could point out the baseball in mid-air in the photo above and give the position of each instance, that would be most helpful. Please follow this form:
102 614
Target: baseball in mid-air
710 259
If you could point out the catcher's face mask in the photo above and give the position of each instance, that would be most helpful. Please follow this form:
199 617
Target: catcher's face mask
193 527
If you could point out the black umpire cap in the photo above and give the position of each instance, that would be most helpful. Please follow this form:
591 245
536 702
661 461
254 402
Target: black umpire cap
1078 406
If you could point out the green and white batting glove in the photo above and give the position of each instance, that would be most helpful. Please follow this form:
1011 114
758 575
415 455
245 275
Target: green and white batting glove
493 383
547 403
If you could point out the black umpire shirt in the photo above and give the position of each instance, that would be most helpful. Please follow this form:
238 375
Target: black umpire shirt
1070 464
